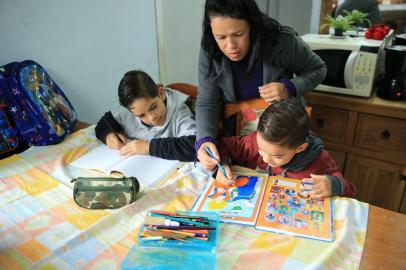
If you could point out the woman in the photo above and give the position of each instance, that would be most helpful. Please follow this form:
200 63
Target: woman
246 54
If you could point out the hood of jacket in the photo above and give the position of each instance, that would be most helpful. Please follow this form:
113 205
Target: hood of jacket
302 159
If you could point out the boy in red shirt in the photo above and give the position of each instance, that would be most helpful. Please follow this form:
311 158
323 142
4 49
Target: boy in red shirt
285 145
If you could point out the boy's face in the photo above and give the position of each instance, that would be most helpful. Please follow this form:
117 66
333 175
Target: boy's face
277 155
151 111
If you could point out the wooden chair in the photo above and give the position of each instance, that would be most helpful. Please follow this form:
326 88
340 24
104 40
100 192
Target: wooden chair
188 89
230 109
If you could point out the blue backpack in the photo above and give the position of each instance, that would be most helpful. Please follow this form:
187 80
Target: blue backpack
40 112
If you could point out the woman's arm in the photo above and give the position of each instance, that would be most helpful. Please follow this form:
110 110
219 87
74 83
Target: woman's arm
299 59
209 103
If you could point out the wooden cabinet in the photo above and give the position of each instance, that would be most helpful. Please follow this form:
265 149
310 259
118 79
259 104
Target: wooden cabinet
367 138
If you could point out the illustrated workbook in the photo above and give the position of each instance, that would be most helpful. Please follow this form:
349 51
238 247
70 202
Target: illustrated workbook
271 203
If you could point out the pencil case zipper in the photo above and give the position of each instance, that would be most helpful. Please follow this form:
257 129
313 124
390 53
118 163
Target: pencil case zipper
115 189
102 179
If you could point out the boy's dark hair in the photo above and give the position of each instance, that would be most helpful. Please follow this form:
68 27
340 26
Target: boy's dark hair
136 84
285 123
262 28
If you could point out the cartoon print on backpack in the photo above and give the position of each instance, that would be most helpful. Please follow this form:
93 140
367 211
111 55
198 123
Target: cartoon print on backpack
41 113
7 137
49 102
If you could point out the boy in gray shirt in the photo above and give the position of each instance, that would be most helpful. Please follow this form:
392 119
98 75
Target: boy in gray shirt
155 121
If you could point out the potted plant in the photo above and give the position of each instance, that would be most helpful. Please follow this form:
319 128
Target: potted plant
339 24
357 18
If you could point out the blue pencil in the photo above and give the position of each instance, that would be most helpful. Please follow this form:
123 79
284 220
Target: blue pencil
218 164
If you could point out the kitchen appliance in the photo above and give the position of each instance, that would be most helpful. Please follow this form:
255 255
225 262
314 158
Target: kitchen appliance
393 84
400 39
353 63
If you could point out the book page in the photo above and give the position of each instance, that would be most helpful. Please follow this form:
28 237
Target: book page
234 204
101 158
284 210
146 169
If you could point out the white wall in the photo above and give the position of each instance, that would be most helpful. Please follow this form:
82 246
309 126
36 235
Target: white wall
179 24
86 46
303 15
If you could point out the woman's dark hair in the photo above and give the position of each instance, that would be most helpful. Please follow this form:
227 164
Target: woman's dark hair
262 28
136 84
285 123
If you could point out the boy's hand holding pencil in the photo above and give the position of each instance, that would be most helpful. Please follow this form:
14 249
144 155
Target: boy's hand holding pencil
115 140
225 180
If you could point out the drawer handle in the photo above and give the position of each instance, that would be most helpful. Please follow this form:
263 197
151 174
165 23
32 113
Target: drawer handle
320 122
385 135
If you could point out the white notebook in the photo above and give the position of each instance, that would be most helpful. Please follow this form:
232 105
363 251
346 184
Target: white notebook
145 168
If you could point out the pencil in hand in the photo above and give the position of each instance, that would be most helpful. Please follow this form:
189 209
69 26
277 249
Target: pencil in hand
210 153
113 131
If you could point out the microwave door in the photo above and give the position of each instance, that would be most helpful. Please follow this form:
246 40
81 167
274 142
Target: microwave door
349 70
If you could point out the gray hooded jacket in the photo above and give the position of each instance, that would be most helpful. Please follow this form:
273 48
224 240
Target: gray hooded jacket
179 120
290 55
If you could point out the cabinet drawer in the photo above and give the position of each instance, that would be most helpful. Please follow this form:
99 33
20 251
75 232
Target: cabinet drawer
329 124
381 133
378 182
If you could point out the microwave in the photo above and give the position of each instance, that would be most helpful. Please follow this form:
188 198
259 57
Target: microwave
353 63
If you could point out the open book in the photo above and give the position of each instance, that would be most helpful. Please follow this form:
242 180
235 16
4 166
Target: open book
271 203
146 169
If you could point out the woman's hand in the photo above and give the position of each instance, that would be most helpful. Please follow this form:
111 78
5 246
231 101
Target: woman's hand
135 147
208 162
225 180
273 91
318 186
116 140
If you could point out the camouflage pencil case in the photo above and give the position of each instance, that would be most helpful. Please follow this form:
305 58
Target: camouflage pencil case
104 192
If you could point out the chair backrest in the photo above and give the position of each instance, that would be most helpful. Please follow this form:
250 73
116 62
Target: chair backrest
230 109
188 89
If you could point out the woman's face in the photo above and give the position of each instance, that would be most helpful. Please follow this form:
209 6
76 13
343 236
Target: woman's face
232 36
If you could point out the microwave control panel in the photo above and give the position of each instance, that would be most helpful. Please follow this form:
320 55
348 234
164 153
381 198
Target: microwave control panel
364 71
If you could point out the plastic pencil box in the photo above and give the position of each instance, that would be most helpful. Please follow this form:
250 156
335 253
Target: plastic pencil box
175 254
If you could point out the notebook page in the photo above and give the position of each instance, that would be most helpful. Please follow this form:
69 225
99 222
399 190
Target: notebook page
100 158
146 169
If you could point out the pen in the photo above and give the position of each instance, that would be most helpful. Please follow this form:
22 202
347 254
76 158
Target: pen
218 164
113 130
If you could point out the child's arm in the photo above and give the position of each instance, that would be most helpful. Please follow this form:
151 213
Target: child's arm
116 140
328 181
180 148
225 180
106 126
135 147
181 145
317 186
